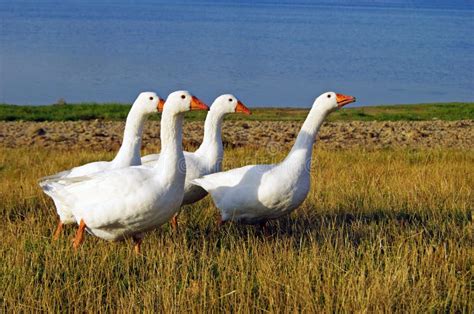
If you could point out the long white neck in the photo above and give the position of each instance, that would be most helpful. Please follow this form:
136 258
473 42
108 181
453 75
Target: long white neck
129 153
211 147
301 152
171 164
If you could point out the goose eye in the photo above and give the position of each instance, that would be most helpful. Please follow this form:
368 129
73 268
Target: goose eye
329 96
230 99
151 98
183 96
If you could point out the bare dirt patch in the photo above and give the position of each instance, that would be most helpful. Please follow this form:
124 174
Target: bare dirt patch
107 135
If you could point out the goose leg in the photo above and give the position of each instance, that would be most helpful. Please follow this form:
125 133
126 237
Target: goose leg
57 233
137 240
79 235
174 222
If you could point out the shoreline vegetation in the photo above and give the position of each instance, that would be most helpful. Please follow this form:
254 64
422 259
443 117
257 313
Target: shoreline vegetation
111 111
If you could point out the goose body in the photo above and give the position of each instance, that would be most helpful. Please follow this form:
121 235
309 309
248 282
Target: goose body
122 202
128 155
126 202
208 157
256 193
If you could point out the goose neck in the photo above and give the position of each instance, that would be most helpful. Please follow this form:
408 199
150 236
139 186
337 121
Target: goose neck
171 134
171 164
211 146
129 152
303 147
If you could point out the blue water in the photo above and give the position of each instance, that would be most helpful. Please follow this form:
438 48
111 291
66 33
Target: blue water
268 53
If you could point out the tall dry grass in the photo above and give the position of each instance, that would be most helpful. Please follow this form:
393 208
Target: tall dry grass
381 230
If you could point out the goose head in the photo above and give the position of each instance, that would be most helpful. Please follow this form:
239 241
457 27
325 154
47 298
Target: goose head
229 104
149 102
182 101
332 101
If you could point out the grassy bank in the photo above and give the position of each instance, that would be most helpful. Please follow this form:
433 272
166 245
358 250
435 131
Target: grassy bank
440 111
380 231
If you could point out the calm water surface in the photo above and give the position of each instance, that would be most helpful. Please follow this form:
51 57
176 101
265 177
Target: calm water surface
266 53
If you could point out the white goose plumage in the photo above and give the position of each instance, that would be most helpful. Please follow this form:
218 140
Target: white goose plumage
208 157
257 193
126 202
128 154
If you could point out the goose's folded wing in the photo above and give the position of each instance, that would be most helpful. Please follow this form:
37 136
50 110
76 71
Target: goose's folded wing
49 186
79 171
44 180
100 186
150 159
229 178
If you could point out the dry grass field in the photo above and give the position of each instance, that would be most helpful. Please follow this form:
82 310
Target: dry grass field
382 230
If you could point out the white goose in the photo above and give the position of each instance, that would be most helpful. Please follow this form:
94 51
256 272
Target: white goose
128 154
126 202
257 193
208 157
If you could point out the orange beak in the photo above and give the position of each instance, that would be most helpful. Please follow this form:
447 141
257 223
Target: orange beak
196 104
242 108
343 100
160 105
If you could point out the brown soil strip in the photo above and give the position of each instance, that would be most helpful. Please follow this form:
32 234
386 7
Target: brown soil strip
107 135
